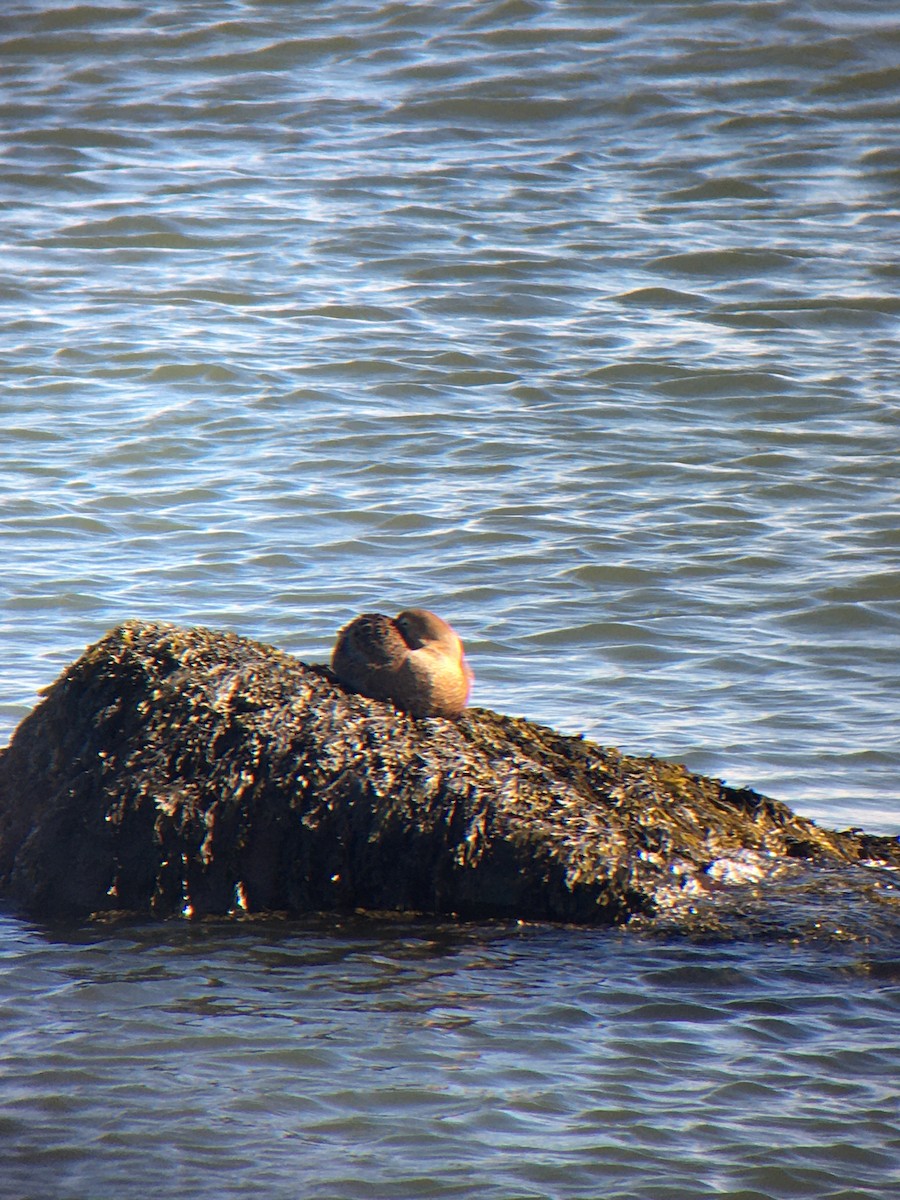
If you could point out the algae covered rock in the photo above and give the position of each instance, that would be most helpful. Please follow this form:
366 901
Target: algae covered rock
186 771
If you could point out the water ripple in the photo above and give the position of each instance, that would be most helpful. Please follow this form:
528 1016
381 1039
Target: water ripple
405 1058
575 322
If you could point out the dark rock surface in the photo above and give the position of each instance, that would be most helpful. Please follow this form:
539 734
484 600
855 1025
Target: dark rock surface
174 771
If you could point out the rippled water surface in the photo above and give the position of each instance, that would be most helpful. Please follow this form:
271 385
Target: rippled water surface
423 1061
575 321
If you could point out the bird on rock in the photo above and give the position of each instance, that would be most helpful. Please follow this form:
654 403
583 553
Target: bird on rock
414 660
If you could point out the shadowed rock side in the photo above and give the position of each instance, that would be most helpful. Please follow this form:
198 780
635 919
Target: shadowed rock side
175 771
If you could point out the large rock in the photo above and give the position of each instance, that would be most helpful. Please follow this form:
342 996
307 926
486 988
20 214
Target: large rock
174 771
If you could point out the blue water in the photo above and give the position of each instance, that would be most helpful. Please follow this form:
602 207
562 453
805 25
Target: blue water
576 322
399 1060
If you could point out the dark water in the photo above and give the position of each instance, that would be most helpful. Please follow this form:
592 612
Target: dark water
407 1060
577 322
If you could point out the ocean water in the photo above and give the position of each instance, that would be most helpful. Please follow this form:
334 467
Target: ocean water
576 322
405 1060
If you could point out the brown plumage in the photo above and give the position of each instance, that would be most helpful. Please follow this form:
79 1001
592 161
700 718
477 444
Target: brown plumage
415 660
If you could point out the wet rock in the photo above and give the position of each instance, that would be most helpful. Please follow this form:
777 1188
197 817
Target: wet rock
185 771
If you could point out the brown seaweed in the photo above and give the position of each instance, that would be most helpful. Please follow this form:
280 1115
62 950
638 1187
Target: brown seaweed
186 771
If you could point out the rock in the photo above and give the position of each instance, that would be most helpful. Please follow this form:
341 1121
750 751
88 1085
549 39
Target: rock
184 771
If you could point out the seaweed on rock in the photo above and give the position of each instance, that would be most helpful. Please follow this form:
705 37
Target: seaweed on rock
175 770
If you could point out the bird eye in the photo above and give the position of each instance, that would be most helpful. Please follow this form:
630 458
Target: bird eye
409 630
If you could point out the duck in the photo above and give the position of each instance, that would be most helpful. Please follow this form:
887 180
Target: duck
415 660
